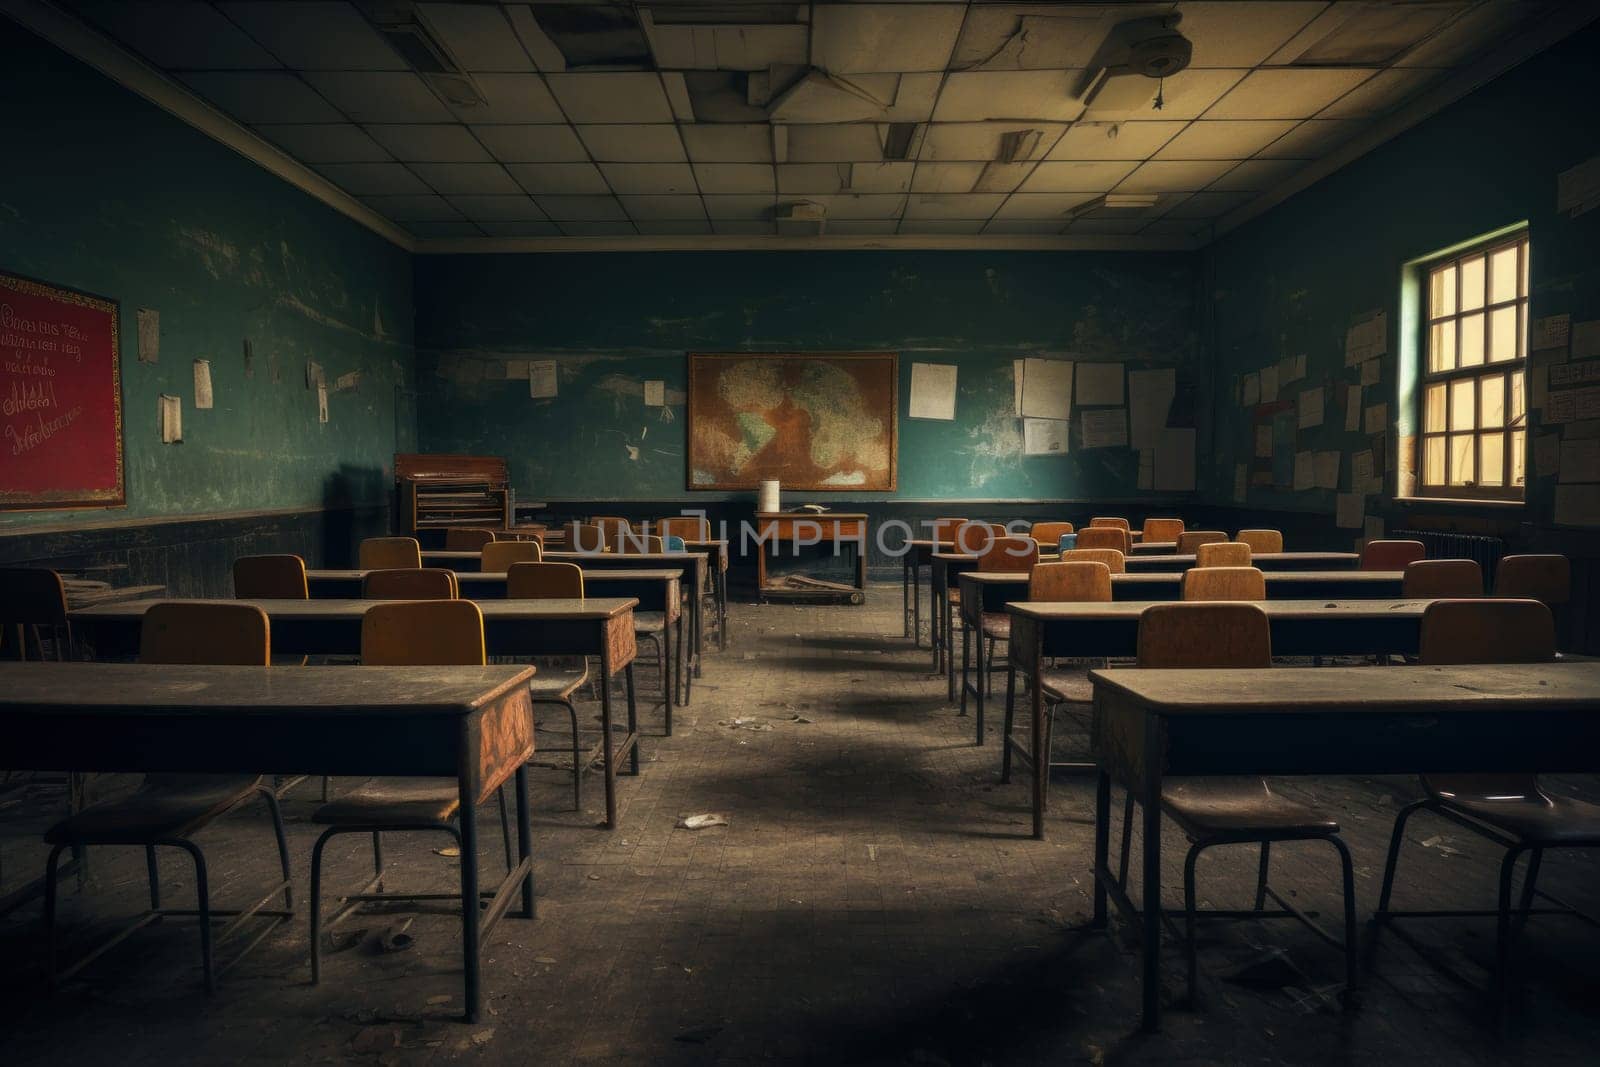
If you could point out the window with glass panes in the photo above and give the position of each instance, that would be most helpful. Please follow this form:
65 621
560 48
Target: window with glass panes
1474 422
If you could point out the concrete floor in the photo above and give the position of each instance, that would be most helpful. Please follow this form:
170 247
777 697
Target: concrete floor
875 898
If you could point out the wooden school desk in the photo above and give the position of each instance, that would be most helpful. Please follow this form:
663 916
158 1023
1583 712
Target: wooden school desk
717 547
1265 561
1154 548
834 528
473 724
1098 631
992 591
592 627
1541 717
655 588
919 554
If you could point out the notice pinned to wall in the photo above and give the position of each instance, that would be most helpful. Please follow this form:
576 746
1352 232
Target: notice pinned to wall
322 403
1016 387
349 382
1250 390
1552 331
1326 470
1367 338
1585 339
1377 418
1047 389
933 391
1364 477
1263 448
202 385
1291 369
1044 437
541 378
1371 372
1104 427
169 414
1099 384
516 370
1348 510
655 393
1150 394
1308 408
1305 471
315 379
1174 461
1269 385
149 324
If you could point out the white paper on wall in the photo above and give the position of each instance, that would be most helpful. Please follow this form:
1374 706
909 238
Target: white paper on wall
1044 437
542 379
1326 471
1371 372
1305 471
1377 418
1309 407
1264 441
322 403
1250 390
1016 387
149 323
655 392
1269 385
933 391
1099 384
1367 338
202 385
169 413
1552 331
1104 427
1047 389
1585 339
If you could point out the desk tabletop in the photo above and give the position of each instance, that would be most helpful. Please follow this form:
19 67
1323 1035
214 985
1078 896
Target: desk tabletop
1261 557
587 608
1279 609
139 688
657 574
819 515
1162 578
1474 688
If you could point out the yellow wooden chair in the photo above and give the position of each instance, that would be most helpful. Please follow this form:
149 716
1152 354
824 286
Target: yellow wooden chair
167 810
467 539
635 544
34 604
585 537
1111 520
1113 558
1442 578
556 684
1009 552
1114 537
499 557
1049 534
1261 540
1162 530
270 578
421 583
388 553
1222 554
1224 583
1190 540
1391 555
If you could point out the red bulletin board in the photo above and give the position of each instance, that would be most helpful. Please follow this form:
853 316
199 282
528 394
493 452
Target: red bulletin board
60 398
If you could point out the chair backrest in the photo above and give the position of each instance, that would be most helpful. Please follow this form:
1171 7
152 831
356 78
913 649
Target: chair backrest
270 578
974 537
445 633
466 538
583 537
1009 554
1545 578
1049 533
632 544
1071 580
1190 540
387 553
209 631
1111 520
1104 537
1113 558
545 581
1224 583
1222 554
673 543
1391 555
31 597
1261 540
1204 635
1442 577
688 527
411 583
1162 529
1487 631
612 529
500 555
945 529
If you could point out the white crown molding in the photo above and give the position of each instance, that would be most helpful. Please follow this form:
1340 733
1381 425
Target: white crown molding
85 43
822 243
1566 20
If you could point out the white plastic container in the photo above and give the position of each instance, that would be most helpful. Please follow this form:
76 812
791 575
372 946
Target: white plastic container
767 497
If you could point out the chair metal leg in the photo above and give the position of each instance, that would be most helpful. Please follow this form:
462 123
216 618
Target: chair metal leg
283 847
153 867
966 665
1006 723
203 906
1352 964
577 760
316 896
1382 914
1535 856
1261 877
1191 950
1502 945
51 882
1049 747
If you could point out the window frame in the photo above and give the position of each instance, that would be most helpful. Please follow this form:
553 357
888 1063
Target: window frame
1512 429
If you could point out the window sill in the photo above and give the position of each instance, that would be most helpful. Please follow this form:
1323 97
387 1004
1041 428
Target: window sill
1459 502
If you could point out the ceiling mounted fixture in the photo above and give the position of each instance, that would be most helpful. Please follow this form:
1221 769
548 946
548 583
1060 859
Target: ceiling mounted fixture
1134 53
408 34
806 218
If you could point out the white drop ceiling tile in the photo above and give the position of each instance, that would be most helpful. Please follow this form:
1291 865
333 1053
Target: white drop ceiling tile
1475 32
980 96
477 35
325 143
1255 175
1021 227
1172 176
953 205
859 38
594 228
1367 34
958 142
735 178
862 227
1208 205
728 46
649 177
178 34
1380 94
532 144
1108 227
1242 33
520 228
840 142
819 97
1042 205
743 228
663 207
946 177
806 178
430 143
672 227
373 179
855 206
1096 176
481 179
412 208
511 98
569 179
443 229
613 96
880 177
576 208
735 142
942 226
1224 139
738 208
315 35
1135 140
1312 139
1185 95
1024 37
379 96
498 208
1280 93
914 97
256 96
655 143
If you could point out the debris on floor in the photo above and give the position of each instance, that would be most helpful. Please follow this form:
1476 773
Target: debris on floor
700 822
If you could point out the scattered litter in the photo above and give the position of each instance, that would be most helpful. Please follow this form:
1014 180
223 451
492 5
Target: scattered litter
742 723
449 851
342 940
483 1037
872 853
1437 843
442 998
396 938
799 718
700 822
544 959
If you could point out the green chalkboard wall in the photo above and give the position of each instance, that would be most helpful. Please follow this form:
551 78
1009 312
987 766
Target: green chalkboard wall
1290 281
615 320
104 192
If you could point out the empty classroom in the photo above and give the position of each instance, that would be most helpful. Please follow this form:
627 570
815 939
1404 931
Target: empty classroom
932 532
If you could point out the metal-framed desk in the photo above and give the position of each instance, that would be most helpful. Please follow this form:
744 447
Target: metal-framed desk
1264 561
1332 720
919 554
835 528
717 547
1095 631
592 627
473 724
990 592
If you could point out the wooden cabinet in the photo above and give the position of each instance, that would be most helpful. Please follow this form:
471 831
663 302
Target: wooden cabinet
439 491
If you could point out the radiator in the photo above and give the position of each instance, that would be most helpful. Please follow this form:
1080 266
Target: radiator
1485 551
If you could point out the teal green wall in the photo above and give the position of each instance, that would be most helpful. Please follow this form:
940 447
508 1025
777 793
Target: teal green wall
617 319
1290 280
104 192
